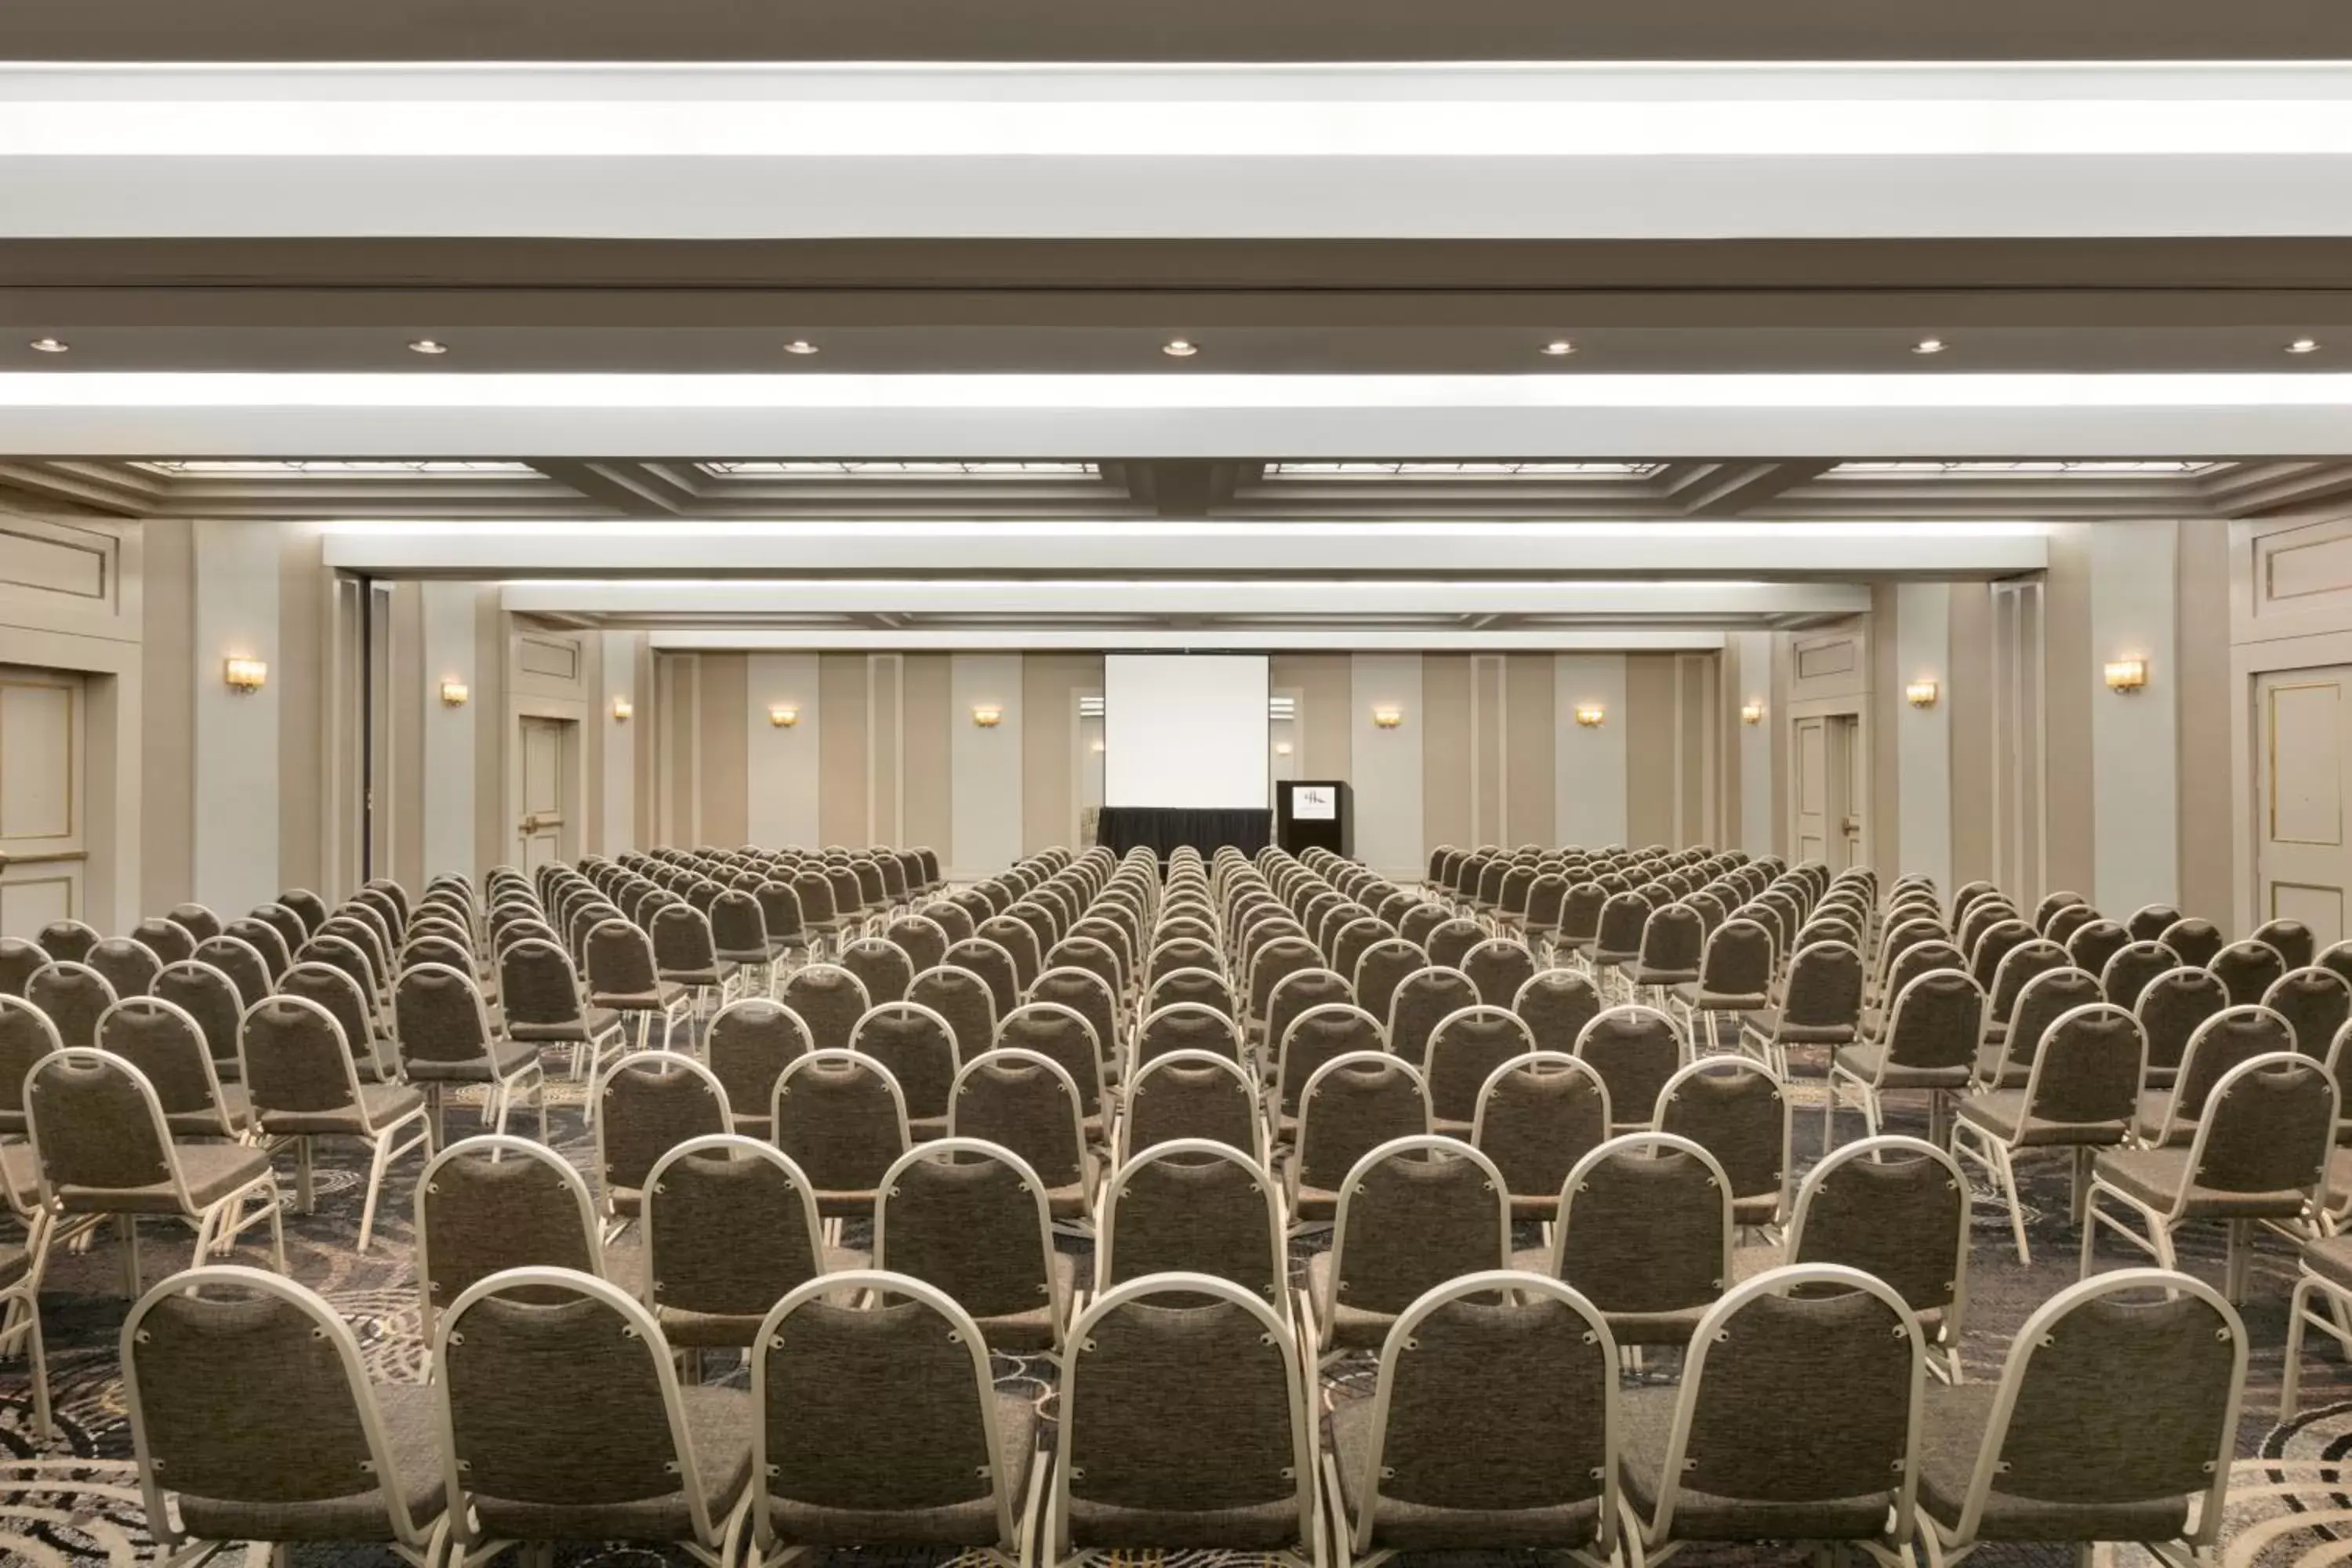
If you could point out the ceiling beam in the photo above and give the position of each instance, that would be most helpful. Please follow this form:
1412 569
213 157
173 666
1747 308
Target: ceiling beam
2304 484
1729 490
97 486
1250 639
632 489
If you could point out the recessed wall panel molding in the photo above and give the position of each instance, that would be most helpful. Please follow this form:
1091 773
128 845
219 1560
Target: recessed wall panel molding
2134 737
783 760
1385 763
1923 653
1588 761
886 749
986 814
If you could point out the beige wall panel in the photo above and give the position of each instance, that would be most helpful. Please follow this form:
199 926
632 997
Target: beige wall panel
1050 685
2069 758
1971 736
1446 811
841 762
1882 812
1325 683
1489 775
167 811
885 783
929 783
726 758
1530 765
987 821
1386 766
2201 681
405 705
1650 725
304 589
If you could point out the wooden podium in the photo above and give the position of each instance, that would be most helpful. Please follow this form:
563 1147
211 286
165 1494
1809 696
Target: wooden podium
1311 814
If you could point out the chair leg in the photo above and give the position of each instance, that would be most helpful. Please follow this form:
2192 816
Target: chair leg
37 1361
2005 1170
2291 1368
277 1227
127 1228
304 1192
382 1144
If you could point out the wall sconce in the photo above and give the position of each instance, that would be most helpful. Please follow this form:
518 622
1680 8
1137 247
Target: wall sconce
987 715
1098 748
622 709
1751 713
1920 694
245 676
2126 674
454 694
783 715
1387 718
1282 748
1591 714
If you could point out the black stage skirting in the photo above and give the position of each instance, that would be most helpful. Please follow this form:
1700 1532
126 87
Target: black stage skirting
1161 828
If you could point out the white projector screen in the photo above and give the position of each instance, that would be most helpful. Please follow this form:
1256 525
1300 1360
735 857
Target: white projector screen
1184 729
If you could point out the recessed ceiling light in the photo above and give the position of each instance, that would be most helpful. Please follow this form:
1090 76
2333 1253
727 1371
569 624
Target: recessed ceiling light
48 346
427 346
1558 347
1179 348
1928 346
2300 346
800 346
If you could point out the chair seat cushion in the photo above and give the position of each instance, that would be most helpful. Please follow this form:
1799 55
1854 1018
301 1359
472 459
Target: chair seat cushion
1646 975
234 1110
2003 1111
2154 1177
2331 1260
380 1105
1647 1418
1706 1001
505 1058
1952 1430
718 1428
1773 1024
212 1170
966 1524
723 1330
660 999
1350 1328
2149 1125
412 1431
576 1031
1032 1332
1869 1064
1398 1525
1994 1066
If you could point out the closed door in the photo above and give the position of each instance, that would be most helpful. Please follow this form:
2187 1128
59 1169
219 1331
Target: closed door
2303 778
1812 795
545 742
1844 733
43 823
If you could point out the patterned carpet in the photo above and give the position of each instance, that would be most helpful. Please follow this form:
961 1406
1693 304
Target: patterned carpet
77 1500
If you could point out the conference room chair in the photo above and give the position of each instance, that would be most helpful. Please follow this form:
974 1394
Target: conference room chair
2260 1153
1735 977
128 967
1380 969
1026 1104
877 1425
210 1359
993 964
2094 945
2172 1006
2291 940
1420 921
1196 1207
1493 1423
73 995
492 1203
2007 1463
625 979
1798 1419
1189 1431
1538 1114
748 1044
543 1005
1450 942
739 935
265 941
168 1049
730 1228
1119 928
1412 1212
304 1085
686 955
2198 942
1645 1232
1930 1046
649 1103
1636 1050
103 1150
1186 1026
2019 968
882 967
917 1047
970 1217
841 1119
2006 1058
1498 967
1093 997
616 1450
1019 944
1463 1050
366 1032
67 940
194 918
965 1000
1062 1037
2247 970
2169 1118
922 939
1192 1096
1424 999
2080 1094
442 1029
2315 1001
18 960
27 1035
2130 969
1351 1105
1821 1005
828 999
952 917
1737 1112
